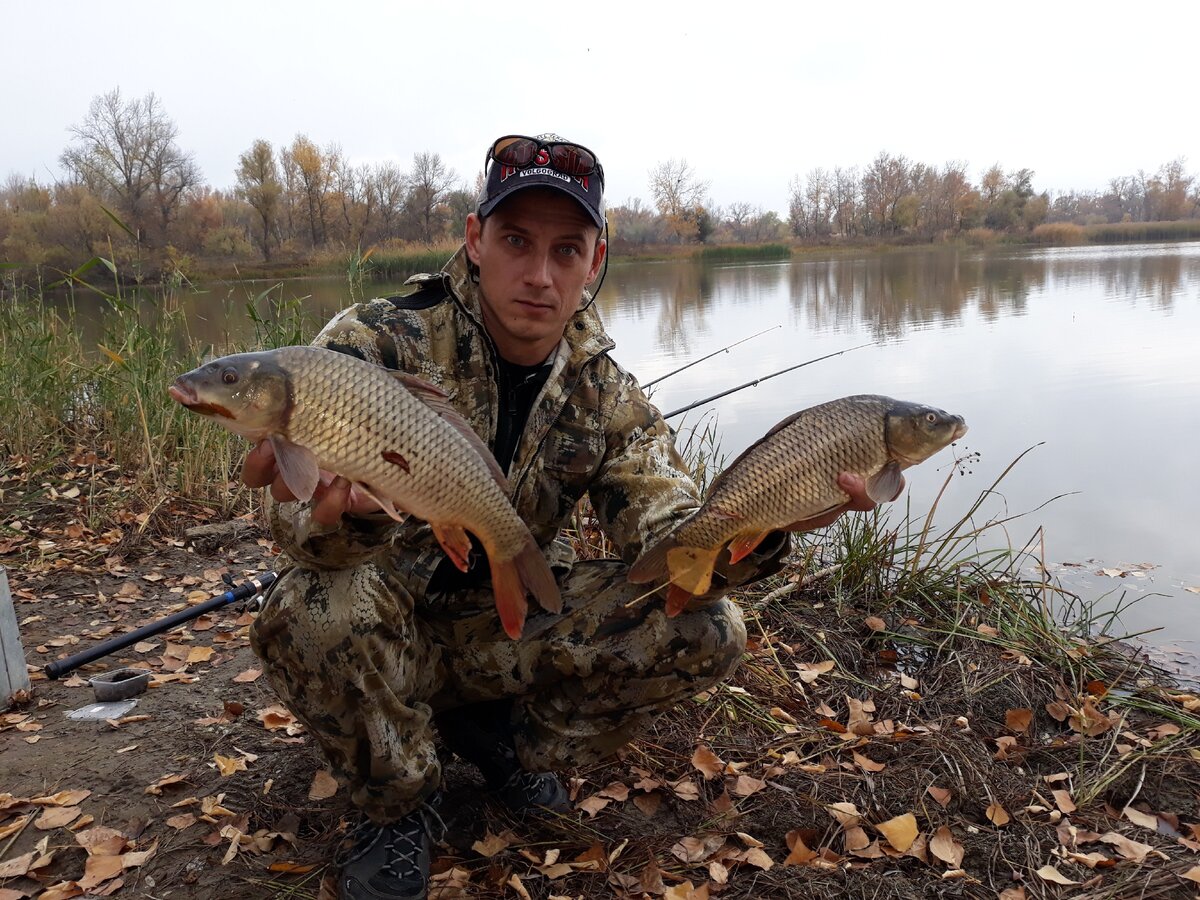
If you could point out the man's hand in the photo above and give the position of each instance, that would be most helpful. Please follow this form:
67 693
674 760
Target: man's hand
856 487
333 497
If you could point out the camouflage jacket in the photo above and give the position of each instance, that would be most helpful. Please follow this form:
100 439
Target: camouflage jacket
591 430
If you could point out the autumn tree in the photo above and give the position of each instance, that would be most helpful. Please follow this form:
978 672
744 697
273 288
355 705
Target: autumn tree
307 172
125 151
429 183
259 185
679 196
390 186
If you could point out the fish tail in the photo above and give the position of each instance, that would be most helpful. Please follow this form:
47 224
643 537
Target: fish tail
527 572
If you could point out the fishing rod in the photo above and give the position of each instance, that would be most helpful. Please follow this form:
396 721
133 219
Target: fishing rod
651 384
757 381
251 588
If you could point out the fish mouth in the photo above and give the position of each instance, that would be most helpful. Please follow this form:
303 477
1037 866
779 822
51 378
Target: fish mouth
183 393
959 431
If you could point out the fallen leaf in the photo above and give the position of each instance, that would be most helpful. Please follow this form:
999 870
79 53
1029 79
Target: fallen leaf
99 869
1192 874
847 814
1137 817
323 786
810 672
101 841
1049 873
1018 719
946 848
56 817
490 845
594 804
998 815
868 764
1128 848
1062 799
875 623
800 855
940 795
163 782
648 803
227 765
746 785
180 822
62 798
900 831
248 676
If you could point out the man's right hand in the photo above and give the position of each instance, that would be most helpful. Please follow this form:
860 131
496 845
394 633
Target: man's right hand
333 498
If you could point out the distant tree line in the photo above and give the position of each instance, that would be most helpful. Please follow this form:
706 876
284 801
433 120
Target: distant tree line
290 204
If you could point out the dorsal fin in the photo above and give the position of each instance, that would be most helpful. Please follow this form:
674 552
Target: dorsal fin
439 401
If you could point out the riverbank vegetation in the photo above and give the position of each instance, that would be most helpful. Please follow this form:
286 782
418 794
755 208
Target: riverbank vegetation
127 190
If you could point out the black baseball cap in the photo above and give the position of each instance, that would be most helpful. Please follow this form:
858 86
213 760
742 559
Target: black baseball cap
546 160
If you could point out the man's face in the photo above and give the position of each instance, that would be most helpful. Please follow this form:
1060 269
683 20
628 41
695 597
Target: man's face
535 253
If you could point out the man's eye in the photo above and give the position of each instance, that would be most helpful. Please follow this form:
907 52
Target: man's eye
569 250
515 240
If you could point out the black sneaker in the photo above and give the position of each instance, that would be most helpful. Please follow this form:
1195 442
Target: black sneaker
530 791
389 862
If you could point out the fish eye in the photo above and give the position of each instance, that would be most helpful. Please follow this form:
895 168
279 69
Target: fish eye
229 375
931 418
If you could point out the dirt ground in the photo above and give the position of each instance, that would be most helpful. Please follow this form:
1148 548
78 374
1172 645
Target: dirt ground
831 765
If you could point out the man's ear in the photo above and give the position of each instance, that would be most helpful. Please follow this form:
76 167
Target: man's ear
474 231
597 260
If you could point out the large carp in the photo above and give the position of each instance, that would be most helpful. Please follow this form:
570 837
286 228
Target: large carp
789 475
394 437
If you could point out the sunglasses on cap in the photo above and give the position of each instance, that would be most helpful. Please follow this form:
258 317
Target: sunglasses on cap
521 152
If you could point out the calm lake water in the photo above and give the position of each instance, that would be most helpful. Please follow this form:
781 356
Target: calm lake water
1088 353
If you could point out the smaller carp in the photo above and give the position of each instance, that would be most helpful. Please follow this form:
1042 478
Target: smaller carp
394 437
789 475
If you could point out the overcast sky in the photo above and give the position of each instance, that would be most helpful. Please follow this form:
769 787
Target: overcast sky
750 94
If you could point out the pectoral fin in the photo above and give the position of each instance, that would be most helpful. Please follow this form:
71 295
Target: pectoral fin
743 545
455 542
677 600
884 485
384 503
298 466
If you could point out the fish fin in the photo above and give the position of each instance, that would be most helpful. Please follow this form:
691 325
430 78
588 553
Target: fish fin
743 545
651 565
691 568
439 401
297 465
677 600
425 390
509 591
455 543
384 503
884 485
512 579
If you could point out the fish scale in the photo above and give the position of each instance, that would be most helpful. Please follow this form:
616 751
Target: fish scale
790 475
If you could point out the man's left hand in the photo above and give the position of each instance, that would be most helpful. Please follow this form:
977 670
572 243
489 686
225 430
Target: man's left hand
856 487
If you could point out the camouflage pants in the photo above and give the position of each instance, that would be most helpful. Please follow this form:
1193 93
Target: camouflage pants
365 672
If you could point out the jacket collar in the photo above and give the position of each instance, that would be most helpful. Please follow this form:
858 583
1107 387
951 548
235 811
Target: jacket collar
585 334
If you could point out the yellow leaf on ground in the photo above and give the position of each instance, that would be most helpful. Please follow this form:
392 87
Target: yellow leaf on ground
1192 874
1049 873
1137 817
593 804
248 676
746 785
99 869
900 831
1013 893
847 814
490 845
944 846
940 795
800 855
867 764
998 815
1130 849
199 654
1018 719
1063 801
323 786
56 817
101 841
228 765
810 672
875 623
62 798
707 762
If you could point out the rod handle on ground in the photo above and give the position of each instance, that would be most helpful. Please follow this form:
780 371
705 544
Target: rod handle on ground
255 585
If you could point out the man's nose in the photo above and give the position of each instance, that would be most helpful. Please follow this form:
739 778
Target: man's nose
538 271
